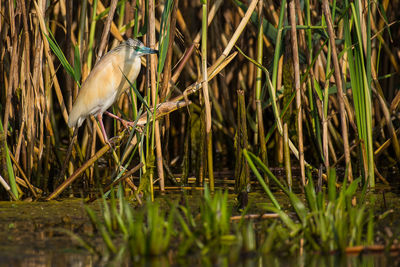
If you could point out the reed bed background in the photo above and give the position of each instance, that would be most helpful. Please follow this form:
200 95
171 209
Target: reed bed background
312 84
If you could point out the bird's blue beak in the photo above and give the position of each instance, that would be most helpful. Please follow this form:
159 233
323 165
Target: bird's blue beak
145 50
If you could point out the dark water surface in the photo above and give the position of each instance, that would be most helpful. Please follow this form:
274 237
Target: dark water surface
30 236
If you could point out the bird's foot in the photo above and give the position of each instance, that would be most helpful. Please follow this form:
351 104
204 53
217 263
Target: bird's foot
130 124
127 124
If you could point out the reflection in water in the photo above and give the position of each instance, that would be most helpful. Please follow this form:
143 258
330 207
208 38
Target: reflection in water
79 258
43 258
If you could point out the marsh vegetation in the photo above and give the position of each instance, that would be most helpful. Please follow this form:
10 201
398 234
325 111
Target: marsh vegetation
243 90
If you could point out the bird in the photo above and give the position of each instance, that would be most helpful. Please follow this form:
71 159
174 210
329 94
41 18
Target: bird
107 82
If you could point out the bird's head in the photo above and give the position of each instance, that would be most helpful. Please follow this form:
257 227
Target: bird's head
139 47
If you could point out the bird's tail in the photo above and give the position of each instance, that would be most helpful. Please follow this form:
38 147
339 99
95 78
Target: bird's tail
73 117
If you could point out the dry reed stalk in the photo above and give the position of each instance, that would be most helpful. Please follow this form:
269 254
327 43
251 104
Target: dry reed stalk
69 83
258 85
197 85
388 120
78 172
271 10
182 63
57 87
299 107
28 184
116 182
154 97
210 17
222 89
31 97
255 216
332 150
235 36
183 26
386 111
381 148
7 187
166 83
338 80
325 140
279 149
371 248
204 70
224 59
242 171
106 29
286 156
113 28
12 77
207 104
46 162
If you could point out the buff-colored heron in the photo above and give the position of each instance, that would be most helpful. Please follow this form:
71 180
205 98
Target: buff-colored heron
106 83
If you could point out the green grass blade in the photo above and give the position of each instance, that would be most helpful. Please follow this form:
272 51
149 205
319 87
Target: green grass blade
60 55
137 93
297 204
164 34
10 170
261 180
332 184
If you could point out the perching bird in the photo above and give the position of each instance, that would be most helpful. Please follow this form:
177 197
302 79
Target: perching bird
106 83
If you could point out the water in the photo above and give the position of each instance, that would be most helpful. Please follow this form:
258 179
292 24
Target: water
30 236
45 256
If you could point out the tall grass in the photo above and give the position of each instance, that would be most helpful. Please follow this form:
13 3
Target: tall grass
326 221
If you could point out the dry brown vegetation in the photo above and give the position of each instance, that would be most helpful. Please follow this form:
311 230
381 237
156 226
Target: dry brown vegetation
324 95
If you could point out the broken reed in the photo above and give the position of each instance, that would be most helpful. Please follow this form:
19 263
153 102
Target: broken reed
343 85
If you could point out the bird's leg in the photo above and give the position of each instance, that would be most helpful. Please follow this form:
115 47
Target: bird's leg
67 157
103 131
125 123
